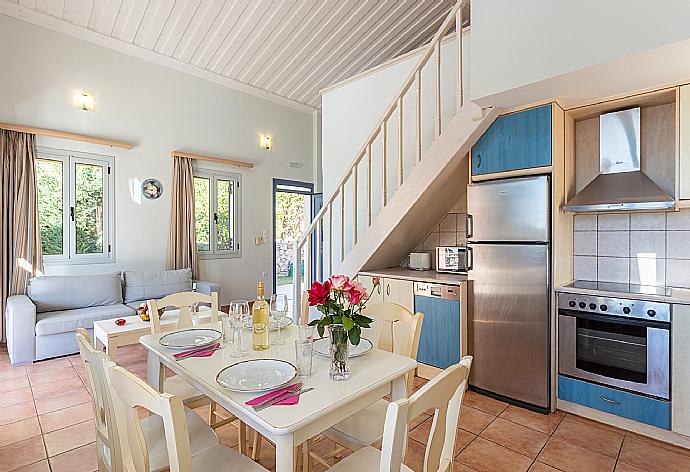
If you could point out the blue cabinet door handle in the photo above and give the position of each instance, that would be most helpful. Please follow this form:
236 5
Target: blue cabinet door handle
479 160
609 400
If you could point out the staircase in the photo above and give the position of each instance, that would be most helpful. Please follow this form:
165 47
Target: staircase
421 197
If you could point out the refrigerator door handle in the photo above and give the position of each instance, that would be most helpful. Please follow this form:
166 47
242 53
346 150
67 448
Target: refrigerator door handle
470 259
469 226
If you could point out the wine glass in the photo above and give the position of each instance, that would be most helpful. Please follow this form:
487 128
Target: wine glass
279 309
239 314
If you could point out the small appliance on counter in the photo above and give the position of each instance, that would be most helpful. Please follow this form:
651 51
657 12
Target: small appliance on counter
420 261
451 259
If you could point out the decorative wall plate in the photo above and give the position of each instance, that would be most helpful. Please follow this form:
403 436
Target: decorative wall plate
151 189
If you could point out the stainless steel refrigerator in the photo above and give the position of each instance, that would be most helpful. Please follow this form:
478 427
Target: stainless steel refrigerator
508 232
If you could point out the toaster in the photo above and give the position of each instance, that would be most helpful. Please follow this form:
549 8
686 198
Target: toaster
420 261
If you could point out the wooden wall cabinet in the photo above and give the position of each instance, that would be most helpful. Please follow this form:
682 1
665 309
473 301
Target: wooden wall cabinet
390 290
680 370
376 293
684 130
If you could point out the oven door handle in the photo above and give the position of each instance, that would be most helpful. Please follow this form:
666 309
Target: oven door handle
614 319
608 400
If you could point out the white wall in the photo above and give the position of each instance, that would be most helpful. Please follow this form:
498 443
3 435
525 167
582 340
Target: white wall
159 110
519 43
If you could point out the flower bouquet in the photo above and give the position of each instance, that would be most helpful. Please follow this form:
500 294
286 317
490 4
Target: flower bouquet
340 301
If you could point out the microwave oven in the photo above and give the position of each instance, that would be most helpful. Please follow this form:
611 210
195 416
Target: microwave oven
451 259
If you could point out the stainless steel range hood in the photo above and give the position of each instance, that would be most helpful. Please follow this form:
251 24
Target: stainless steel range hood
620 184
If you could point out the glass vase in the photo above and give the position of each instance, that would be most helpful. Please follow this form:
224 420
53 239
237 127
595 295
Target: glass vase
339 370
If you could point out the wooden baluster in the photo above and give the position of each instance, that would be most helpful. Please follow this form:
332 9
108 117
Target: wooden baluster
330 238
355 189
368 185
297 289
401 175
342 223
307 263
384 188
458 34
437 54
319 250
418 81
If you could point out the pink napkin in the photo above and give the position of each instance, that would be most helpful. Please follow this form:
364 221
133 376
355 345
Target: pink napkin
206 351
288 401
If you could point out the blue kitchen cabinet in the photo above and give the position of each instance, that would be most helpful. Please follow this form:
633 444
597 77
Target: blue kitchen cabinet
439 343
618 402
516 141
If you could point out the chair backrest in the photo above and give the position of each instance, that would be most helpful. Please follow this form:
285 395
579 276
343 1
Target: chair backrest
184 301
304 309
108 448
129 392
444 394
398 330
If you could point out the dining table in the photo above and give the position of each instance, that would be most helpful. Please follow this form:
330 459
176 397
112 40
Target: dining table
373 375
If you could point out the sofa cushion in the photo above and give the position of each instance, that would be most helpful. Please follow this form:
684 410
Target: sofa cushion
65 321
68 292
156 284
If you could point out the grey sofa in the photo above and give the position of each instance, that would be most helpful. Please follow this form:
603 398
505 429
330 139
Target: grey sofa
41 324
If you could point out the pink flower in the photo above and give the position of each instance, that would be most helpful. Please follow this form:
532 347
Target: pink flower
377 281
340 282
356 292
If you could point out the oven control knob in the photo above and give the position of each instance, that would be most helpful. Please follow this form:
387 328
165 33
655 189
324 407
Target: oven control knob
651 313
603 308
626 310
592 306
571 303
583 304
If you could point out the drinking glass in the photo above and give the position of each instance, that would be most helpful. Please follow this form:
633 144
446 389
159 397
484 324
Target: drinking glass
279 309
304 352
226 328
239 314
305 332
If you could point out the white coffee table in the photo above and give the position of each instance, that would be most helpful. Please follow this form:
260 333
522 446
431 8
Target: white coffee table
112 336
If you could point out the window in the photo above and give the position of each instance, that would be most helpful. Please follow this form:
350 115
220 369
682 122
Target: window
75 206
217 208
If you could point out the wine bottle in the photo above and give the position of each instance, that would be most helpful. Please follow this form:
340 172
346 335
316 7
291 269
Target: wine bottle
260 320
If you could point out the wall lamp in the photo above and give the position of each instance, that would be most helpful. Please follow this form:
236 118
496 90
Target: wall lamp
85 101
265 141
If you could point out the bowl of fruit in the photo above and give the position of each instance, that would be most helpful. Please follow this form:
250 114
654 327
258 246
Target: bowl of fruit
143 312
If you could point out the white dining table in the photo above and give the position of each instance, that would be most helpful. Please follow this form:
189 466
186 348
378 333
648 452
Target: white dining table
373 375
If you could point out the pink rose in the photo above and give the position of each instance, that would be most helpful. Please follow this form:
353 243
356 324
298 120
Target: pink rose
340 282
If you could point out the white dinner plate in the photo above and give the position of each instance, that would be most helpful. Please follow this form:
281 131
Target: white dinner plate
256 375
323 347
273 324
190 338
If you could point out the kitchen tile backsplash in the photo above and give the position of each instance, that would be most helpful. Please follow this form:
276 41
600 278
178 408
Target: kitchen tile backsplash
450 231
638 248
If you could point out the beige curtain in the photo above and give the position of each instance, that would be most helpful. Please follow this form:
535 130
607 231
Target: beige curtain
20 255
182 250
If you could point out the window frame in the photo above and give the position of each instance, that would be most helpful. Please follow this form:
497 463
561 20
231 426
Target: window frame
69 160
214 176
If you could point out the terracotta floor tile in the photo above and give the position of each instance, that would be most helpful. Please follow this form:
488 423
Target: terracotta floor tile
516 437
48 365
59 386
268 455
41 466
623 467
14 373
228 435
69 438
62 400
82 459
484 403
421 435
19 431
324 446
649 457
15 396
473 420
458 467
485 456
571 458
41 378
414 456
21 453
16 383
606 427
589 436
17 412
545 423
656 442
66 417
540 467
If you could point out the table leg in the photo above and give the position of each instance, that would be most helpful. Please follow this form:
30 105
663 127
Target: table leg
111 349
154 371
285 453
398 392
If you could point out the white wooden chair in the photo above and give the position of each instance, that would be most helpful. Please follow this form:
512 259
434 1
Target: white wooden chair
175 385
444 394
398 332
129 392
108 446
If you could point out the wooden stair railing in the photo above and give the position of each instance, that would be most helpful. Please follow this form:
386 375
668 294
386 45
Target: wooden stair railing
315 233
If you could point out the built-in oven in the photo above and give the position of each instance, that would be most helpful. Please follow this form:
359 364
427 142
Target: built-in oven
616 342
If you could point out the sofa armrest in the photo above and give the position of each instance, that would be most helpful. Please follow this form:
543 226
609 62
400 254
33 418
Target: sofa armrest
20 321
207 287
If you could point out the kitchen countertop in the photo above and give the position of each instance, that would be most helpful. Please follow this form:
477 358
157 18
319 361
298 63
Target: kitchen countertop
677 295
429 276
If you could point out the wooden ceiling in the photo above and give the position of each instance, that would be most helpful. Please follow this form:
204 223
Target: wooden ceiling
288 48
